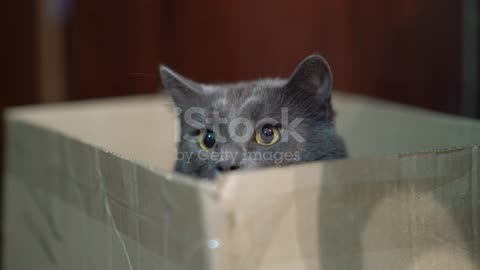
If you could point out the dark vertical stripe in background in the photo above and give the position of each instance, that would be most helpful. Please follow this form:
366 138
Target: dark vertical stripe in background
19 64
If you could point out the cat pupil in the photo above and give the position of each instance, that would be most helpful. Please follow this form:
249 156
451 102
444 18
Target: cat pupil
267 132
209 139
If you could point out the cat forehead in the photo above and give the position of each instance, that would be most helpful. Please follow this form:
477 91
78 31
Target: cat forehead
238 95
256 85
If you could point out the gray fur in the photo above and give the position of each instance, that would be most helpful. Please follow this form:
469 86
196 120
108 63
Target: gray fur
306 95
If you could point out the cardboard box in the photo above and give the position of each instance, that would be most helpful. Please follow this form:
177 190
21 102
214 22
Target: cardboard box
90 185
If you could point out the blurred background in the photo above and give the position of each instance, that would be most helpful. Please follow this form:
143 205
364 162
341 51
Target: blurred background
418 52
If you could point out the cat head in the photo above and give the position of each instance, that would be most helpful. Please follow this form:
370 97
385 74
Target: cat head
253 124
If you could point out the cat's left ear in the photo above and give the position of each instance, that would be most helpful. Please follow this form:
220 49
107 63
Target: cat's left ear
181 89
312 76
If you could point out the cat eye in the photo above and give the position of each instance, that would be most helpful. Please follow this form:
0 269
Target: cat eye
267 135
206 139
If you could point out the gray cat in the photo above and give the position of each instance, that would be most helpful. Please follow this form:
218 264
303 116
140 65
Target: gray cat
254 124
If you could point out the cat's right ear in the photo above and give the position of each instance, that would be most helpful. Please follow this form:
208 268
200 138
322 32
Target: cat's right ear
313 77
180 88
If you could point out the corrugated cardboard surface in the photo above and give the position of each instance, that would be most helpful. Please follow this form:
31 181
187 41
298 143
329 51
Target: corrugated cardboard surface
89 186
413 212
73 206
